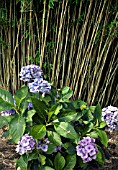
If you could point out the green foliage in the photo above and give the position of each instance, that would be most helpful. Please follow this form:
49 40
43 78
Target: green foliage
38 131
6 100
66 130
3 121
59 162
56 117
17 128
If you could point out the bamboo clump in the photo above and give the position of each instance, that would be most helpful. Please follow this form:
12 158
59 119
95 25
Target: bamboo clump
74 44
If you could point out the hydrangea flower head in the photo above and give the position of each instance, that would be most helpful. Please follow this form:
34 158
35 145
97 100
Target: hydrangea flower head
110 116
87 149
43 145
39 85
30 72
25 144
7 112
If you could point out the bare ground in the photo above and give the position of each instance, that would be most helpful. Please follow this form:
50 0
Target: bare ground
8 154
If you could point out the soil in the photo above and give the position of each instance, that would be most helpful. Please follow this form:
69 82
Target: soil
8 154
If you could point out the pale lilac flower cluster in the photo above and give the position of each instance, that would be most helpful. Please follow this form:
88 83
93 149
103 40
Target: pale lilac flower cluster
39 85
26 143
7 112
87 149
43 145
110 116
34 76
30 72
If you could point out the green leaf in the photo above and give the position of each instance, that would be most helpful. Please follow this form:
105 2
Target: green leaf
102 125
40 107
55 109
6 100
93 134
103 137
3 121
89 115
65 90
42 159
70 162
92 108
22 163
32 156
100 158
97 113
21 94
67 116
38 131
66 130
54 138
23 105
46 168
71 150
17 128
88 127
78 103
68 95
59 162
51 148
29 115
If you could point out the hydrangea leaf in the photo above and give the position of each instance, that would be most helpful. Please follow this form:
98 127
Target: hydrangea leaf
100 156
70 162
65 90
59 162
68 95
22 163
21 94
93 134
51 148
55 109
54 138
78 103
67 116
29 115
6 100
32 156
66 130
46 168
17 128
3 121
103 137
40 107
42 159
97 113
102 125
38 131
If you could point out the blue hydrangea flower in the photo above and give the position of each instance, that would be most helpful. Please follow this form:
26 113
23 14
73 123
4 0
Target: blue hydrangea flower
39 85
43 145
110 116
30 105
58 148
87 149
30 72
7 112
25 144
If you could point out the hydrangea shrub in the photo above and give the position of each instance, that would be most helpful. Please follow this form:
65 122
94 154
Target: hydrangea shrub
49 129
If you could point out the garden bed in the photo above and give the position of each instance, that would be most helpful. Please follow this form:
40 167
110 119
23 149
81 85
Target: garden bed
8 154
